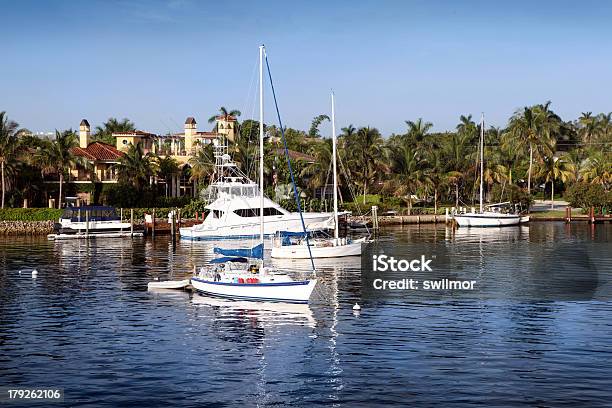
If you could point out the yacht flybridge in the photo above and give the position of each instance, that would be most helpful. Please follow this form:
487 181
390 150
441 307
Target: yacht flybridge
234 205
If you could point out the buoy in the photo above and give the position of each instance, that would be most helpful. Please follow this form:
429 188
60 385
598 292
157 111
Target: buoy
356 307
20 272
34 273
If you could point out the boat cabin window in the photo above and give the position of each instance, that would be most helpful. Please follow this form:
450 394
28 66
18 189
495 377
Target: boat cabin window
254 212
217 213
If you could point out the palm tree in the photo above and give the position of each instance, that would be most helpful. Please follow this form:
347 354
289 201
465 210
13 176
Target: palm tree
58 157
225 114
409 170
9 147
136 168
551 169
597 169
418 130
348 131
366 158
202 164
105 132
318 171
314 126
523 132
168 167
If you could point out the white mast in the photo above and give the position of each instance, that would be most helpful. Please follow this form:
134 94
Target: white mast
481 157
333 120
261 147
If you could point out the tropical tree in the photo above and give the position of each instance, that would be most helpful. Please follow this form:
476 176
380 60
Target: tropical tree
224 113
551 169
9 147
136 168
523 133
409 170
366 157
597 168
314 126
417 130
318 171
168 167
202 164
57 156
105 132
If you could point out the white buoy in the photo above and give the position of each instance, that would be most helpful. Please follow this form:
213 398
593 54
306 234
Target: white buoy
34 273
356 307
20 272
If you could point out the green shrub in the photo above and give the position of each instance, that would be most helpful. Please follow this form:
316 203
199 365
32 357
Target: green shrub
194 206
30 214
586 195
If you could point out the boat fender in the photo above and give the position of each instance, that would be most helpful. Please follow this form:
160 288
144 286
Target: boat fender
240 280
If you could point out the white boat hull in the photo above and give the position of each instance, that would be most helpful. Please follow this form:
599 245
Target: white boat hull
293 291
301 251
487 219
175 284
272 225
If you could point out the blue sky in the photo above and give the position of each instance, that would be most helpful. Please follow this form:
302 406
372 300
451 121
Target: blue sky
157 62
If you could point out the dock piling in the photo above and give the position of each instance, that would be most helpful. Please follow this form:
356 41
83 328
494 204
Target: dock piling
131 222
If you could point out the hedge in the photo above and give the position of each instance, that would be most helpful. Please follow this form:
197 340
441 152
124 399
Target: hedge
30 214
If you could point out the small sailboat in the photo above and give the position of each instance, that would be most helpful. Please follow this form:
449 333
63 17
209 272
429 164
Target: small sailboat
234 275
323 247
485 218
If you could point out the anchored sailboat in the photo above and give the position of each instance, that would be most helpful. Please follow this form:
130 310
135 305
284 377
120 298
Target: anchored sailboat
323 247
236 276
485 218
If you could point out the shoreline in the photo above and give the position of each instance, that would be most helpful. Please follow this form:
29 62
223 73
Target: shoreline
39 228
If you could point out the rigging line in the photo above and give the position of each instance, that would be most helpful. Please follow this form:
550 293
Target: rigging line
297 198
249 163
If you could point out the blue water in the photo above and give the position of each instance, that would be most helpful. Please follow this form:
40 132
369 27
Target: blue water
87 324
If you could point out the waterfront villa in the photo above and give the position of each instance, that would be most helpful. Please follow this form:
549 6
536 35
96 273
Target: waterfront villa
102 158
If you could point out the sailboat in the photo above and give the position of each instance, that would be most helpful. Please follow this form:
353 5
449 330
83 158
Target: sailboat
235 276
485 218
324 247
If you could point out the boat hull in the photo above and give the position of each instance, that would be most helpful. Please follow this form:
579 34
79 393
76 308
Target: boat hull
487 220
301 251
292 292
252 229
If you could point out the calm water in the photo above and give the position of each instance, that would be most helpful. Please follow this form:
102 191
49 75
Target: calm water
87 324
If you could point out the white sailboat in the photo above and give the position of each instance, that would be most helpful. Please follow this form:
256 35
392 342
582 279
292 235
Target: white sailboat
237 278
485 218
324 247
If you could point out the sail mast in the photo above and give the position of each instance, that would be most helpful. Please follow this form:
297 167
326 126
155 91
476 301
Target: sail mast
334 150
261 147
481 157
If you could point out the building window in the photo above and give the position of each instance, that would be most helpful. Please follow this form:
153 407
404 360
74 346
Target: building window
125 141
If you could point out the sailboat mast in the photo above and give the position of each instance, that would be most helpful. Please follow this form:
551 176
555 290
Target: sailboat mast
261 146
333 120
481 158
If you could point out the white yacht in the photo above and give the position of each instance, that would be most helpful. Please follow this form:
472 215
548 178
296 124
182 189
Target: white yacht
234 202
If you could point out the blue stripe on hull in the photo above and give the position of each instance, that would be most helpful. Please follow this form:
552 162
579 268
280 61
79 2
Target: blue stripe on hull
217 295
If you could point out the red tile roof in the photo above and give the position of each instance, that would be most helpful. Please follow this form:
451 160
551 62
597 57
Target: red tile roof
98 151
296 155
